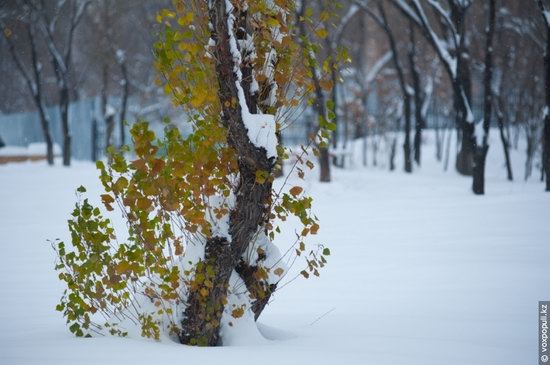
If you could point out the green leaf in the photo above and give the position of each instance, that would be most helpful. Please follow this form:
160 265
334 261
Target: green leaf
81 189
74 327
326 251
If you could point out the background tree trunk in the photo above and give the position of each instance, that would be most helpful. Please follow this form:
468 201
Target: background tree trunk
504 139
480 156
319 105
419 120
546 138
125 93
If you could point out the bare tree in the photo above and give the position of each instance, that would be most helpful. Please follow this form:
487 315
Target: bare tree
33 78
382 21
59 43
451 47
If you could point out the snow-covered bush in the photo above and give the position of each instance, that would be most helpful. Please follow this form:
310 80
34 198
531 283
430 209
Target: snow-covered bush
200 211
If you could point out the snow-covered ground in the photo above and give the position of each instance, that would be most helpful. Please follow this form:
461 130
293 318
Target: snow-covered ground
421 272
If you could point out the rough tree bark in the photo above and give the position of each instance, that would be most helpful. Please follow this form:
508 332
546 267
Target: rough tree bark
202 322
480 154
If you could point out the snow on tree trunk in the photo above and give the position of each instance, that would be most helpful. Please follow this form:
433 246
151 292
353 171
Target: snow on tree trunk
253 138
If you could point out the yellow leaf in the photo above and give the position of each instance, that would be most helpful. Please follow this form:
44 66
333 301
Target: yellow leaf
199 96
122 267
186 19
278 271
106 198
237 313
107 201
321 33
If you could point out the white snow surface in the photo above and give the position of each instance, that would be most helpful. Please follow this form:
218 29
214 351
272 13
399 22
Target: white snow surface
421 272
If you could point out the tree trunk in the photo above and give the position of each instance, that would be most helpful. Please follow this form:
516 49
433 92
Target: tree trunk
504 140
419 120
45 124
546 147
94 140
407 143
478 185
202 316
392 153
324 165
203 313
462 88
365 142
258 289
480 155
64 113
448 149
44 119
464 159
124 104
319 105
546 142
530 153
109 129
